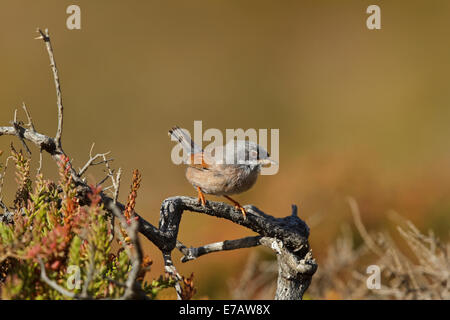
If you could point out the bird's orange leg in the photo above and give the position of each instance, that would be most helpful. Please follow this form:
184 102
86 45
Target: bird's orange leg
201 197
238 206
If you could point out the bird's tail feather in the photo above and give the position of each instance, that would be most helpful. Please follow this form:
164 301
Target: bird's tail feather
185 140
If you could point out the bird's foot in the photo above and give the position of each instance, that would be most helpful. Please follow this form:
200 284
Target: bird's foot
201 197
238 207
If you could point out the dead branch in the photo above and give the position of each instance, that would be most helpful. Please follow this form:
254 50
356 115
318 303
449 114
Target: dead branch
287 237
46 37
194 253
53 284
91 162
360 226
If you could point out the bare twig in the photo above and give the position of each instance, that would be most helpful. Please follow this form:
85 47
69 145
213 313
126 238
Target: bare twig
92 159
294 211
115 179
116 185
2 176
39 169
171 270
194 253
360 226
46 37
53 284
30 120
16 124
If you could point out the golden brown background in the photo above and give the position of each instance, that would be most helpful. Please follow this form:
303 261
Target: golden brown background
361 113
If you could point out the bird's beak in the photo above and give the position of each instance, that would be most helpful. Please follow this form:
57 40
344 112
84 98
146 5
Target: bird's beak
267 162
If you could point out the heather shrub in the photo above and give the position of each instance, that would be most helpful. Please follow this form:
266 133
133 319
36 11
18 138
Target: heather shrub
53 247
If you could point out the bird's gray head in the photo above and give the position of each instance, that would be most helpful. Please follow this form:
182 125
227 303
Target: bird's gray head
244 152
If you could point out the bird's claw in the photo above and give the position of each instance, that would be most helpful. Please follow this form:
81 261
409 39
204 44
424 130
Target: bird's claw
242 209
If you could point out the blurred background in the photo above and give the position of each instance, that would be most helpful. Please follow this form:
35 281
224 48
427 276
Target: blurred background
361 113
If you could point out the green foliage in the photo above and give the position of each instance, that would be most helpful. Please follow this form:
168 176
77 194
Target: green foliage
73 242
153 288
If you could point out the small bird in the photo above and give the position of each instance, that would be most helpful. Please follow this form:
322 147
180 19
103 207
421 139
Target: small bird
233 169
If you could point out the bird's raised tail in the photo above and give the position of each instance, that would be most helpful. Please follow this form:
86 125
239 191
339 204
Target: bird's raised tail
183 137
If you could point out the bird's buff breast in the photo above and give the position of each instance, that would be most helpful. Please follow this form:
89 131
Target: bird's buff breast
223 180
